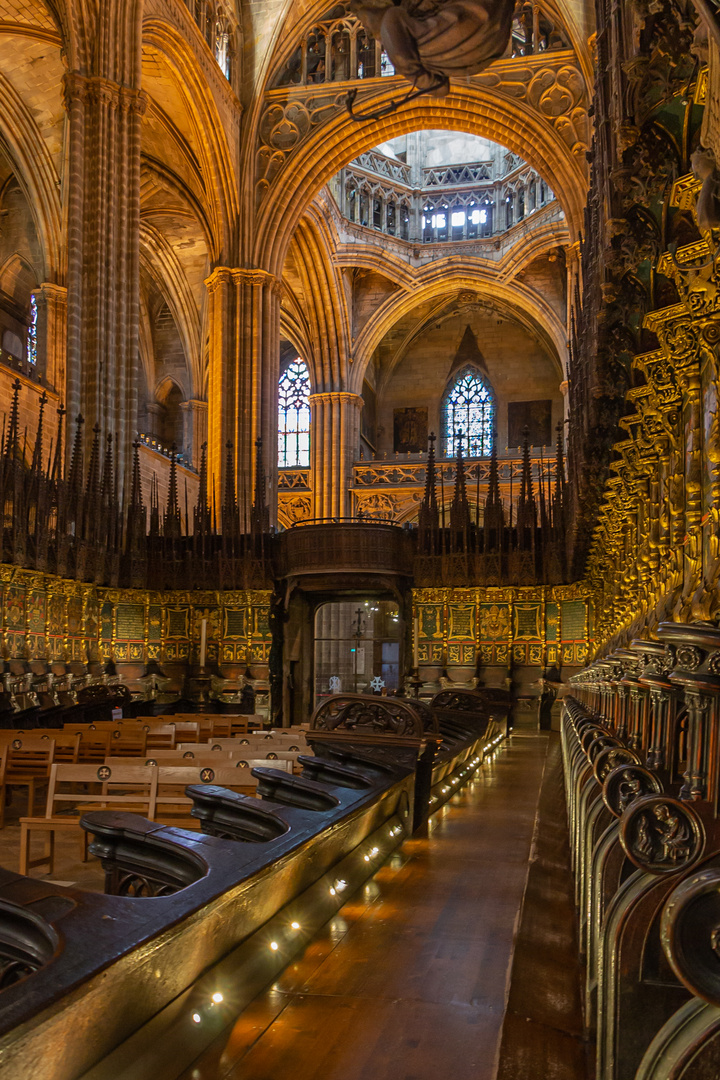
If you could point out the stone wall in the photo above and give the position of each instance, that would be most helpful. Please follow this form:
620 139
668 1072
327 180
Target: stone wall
518 369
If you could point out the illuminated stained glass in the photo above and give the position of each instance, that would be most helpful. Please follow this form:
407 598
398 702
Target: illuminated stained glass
469 408
31 350
294 417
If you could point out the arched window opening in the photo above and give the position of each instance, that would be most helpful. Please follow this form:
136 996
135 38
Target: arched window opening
294 417
31 348
315 57
404 222
386 65
341 56
168 425
222 46
469 414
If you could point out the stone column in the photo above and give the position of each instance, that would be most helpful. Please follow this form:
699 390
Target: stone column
334 442
103 255
51 303
195 423
244 368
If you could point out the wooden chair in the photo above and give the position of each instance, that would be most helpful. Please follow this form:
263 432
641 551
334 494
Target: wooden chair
180 758
173 805
186 731
26 763
128 742
93 744
123 787
159 736
67 748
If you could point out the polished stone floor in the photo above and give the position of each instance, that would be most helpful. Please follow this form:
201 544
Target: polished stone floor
437 968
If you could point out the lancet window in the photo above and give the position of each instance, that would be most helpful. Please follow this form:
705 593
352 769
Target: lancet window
294 416
31 347
468 415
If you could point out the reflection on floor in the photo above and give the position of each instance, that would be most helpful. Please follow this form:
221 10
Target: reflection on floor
410 980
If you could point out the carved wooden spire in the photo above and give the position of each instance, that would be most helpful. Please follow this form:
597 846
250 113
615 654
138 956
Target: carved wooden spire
526 509
201 514
428 515
260 511
494 519
172 524
14 425
57 467
36 465
460 509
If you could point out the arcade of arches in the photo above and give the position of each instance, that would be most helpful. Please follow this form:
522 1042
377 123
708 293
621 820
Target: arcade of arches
300 404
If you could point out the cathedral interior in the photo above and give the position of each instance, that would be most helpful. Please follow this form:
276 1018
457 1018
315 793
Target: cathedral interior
360 539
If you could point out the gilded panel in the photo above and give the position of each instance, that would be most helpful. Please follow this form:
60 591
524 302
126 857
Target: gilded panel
37 608
494 622
574 621
430 618
154 624
462 622
527 622
178 623
235 623
130 622
552 616
106 621
75 616
259 624
15 609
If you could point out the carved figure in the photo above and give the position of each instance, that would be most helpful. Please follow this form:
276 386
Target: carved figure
707 208
629 789
430 41
674 835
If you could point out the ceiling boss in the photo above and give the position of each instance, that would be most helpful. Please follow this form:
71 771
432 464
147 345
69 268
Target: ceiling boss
432 41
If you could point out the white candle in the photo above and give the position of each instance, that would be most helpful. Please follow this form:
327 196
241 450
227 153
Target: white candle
416 635
203 642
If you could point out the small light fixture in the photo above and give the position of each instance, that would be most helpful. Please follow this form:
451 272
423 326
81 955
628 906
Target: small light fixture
274 946
217 997
295 925
197 1017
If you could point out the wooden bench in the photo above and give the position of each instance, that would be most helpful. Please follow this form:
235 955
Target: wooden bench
127 787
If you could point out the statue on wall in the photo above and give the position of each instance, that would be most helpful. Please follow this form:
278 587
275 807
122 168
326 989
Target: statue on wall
432 41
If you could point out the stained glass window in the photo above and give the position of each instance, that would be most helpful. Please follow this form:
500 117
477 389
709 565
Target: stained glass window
294 417
468 412
31 350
